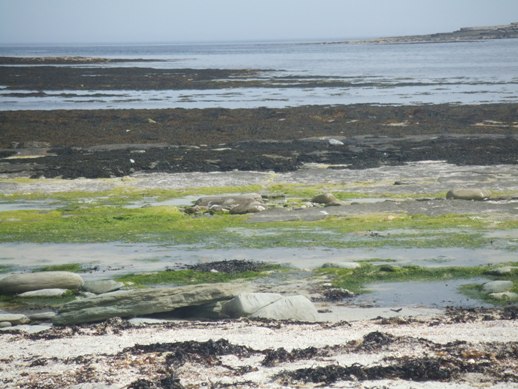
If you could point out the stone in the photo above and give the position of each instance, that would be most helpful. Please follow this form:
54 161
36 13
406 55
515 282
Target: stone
328 199
42 316
507 296
497 286
297 308
14 318
5 324
102 286
335 142
271 306
474 194
247 304
25 282
139 302
55 292
253 206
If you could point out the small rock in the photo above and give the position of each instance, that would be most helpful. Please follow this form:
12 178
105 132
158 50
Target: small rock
102 286
497 286
55 292
25 282
328 199
5 324
468 194
151 121
508 296
335 142
14 318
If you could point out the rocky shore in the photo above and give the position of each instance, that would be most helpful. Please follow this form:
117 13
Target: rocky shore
465 34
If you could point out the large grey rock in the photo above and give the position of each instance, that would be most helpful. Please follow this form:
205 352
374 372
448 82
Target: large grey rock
139 302
237 204
25 282
476 194
298 308
102 286
271 306
54 292
14 318
247 304
497 286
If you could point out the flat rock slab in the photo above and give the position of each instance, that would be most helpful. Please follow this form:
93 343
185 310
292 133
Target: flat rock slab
25 282
139 302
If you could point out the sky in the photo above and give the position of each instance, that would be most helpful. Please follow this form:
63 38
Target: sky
140 21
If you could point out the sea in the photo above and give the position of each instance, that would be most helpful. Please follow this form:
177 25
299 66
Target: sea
479 72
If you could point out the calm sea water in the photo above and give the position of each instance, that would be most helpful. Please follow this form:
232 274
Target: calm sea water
461 73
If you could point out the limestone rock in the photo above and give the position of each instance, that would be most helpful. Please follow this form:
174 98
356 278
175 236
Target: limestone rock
42 316
271 306
102 286
54 292
497 286
247 304
508 296
468 194
14 318
25 282
328 199
139 302
298 308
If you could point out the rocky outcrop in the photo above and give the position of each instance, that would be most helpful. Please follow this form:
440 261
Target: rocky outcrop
271 306
234 204
25 282
140 302
475 194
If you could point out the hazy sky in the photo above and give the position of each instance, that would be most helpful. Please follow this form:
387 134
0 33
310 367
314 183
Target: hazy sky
89 21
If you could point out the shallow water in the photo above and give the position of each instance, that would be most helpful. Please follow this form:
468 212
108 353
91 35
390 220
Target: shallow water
465 73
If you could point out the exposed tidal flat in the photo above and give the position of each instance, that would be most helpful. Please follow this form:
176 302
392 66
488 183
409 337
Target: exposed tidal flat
381 241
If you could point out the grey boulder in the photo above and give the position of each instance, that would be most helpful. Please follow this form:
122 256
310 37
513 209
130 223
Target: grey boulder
132 303
25 282
327 199
102 286
271 306
475 194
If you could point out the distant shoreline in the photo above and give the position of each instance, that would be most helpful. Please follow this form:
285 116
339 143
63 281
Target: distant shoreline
464 34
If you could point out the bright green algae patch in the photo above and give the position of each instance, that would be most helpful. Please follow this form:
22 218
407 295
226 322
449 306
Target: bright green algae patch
164 224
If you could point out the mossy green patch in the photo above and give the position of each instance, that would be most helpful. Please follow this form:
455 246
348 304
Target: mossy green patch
13 303
356 280
70 267
189 277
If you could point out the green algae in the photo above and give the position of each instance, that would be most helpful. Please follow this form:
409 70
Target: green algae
190 277
70 267
356 279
